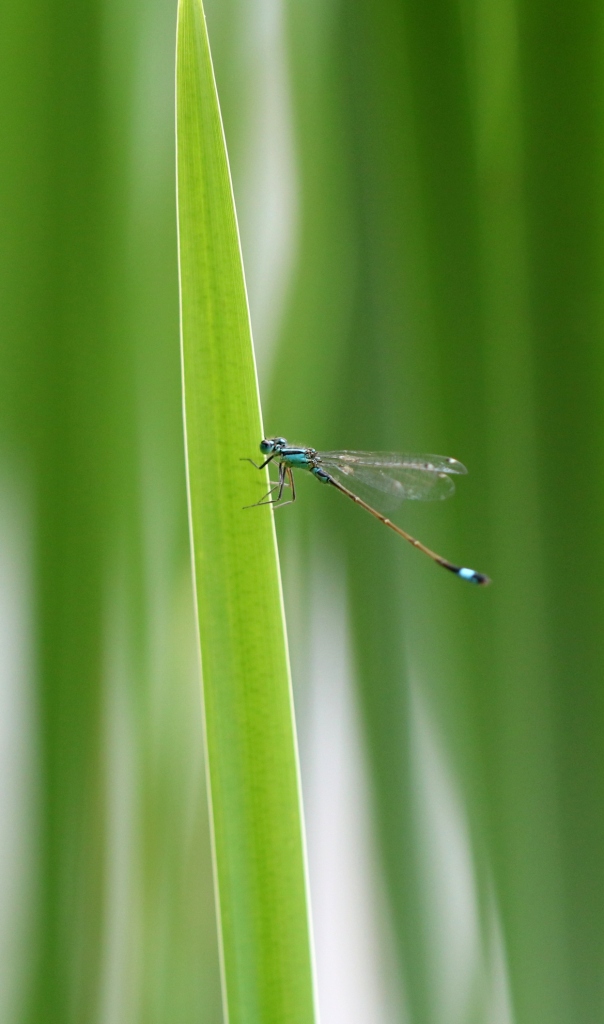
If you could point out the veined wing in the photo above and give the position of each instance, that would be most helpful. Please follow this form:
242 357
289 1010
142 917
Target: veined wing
389 478
394 460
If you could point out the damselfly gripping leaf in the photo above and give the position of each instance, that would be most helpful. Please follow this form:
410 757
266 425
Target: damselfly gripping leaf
385 478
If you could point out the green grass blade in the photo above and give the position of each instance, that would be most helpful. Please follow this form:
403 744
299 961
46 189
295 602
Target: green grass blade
253 771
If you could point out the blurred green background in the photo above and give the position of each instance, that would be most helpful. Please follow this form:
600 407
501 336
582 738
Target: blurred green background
420 195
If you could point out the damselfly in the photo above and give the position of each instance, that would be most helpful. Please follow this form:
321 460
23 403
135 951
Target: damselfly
387 477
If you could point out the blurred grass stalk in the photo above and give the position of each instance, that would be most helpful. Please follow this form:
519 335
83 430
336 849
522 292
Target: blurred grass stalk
105 857
251 750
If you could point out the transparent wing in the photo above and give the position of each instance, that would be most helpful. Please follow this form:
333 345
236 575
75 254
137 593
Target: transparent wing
389 478
394 460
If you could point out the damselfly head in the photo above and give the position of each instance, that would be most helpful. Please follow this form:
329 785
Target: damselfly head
272 444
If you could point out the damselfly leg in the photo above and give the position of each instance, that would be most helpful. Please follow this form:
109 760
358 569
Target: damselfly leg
286 479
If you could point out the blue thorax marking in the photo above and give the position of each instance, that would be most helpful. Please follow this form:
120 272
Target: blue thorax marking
303 458
296 458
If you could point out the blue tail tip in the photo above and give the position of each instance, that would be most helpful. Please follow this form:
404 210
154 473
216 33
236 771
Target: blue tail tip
478 578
